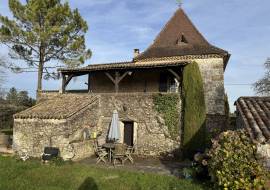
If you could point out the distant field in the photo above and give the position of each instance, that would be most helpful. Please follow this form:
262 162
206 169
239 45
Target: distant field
31 175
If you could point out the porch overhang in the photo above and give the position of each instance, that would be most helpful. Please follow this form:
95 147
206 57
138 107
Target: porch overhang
116 72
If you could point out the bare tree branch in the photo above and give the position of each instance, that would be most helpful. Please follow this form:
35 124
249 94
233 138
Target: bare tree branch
263 85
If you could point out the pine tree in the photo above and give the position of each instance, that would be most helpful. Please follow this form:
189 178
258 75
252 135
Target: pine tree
12 96
42 31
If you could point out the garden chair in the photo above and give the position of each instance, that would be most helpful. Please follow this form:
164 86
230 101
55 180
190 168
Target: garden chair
119 153
129 151
100 152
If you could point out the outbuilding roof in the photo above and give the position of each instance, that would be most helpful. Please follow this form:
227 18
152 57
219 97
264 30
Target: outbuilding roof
180 37
255 112
127 65
60 107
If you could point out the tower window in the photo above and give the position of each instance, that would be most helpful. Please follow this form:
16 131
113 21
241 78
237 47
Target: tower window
182 40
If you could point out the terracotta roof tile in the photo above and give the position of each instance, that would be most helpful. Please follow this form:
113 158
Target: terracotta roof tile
255 112
60 107
127 65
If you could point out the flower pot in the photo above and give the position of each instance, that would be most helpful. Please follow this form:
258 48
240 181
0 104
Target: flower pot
4 139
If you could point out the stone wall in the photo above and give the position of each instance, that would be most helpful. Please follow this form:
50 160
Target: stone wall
31 136
212 71
263 151
152 135
215 124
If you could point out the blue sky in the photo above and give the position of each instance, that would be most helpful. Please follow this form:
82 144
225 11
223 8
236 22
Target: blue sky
117 27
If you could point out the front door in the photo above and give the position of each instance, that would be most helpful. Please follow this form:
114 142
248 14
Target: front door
128 133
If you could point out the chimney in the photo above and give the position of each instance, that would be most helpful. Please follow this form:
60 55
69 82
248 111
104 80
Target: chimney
136 52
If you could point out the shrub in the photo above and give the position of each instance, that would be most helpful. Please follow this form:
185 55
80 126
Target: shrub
194 136
233 163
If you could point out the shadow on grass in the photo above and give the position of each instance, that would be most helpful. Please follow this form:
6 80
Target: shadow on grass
88 184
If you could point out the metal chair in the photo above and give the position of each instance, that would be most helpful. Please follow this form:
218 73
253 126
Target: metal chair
100 152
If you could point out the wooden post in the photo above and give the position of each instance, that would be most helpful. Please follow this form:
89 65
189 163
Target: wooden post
63 88
117 79
89 82
117 75
65 80
174 74
177 77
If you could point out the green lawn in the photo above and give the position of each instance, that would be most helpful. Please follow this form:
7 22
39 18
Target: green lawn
16 175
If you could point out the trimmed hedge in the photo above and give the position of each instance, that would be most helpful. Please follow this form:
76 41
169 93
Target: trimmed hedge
194 136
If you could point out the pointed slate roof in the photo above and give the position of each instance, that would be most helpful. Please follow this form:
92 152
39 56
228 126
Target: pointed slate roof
180 37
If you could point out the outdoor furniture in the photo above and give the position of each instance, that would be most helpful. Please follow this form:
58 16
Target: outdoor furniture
109 147
119 153
129 151
114 131
50 153
100 152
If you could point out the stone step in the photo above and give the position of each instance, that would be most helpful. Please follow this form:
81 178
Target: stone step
5 150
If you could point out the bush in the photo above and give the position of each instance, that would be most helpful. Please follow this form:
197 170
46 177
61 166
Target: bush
194 136
233 163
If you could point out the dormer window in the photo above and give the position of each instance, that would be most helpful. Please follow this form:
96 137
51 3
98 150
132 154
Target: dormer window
182 40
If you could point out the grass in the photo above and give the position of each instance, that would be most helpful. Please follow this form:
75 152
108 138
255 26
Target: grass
31 175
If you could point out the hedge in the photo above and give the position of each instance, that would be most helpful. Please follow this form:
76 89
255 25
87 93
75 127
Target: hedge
194 133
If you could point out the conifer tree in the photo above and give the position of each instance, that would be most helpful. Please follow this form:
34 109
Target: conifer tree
43 31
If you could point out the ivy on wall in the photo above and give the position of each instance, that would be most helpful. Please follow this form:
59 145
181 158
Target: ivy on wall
194 133
167 106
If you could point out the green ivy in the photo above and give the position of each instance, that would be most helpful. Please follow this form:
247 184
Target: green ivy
167 105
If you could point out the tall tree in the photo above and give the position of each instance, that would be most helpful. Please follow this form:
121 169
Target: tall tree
43 31
12 96
262 86
19 98
24 99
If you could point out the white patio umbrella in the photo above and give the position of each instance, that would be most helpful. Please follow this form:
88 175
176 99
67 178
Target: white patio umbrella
114 132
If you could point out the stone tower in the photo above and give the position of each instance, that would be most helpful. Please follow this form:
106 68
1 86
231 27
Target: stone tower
180 40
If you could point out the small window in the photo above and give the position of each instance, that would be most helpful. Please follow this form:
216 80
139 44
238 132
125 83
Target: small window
182 40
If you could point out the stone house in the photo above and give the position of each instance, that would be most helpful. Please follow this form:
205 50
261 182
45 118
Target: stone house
62 118
253 115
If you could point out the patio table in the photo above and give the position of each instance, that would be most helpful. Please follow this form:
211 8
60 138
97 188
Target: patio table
109 146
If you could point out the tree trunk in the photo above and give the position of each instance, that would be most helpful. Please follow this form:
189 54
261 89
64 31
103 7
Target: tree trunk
40 67
40 76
